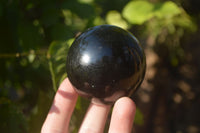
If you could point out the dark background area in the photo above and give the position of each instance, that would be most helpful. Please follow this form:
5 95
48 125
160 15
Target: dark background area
36 35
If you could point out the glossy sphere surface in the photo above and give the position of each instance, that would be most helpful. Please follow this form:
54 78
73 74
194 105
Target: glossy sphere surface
106 62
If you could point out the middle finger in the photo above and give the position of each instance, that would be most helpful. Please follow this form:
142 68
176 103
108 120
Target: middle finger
95 118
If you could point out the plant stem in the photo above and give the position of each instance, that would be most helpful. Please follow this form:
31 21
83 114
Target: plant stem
52 75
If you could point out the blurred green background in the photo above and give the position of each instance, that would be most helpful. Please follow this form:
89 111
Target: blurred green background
35 36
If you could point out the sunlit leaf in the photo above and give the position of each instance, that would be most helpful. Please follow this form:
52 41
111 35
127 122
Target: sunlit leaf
86 1
137 12
70 41
31 56
63 77
98 21
115 18
167 9
68 16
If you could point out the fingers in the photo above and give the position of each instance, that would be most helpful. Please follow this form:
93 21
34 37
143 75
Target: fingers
122 116
58 118
95 118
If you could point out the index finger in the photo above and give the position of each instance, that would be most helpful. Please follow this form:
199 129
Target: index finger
58 118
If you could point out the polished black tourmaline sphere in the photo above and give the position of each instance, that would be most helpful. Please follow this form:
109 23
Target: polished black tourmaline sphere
106 62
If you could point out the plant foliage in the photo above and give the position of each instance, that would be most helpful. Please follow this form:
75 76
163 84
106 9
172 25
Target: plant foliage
35 37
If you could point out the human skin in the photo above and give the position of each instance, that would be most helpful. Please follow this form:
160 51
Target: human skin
58 118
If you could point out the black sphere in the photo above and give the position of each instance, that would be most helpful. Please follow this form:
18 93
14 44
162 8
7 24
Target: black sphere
106 62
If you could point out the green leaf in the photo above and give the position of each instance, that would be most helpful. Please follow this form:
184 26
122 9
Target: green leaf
31 56
63 77
60 67
115 18
139 117
186 22
137 12
98 21
166 10
70 41
86 1
67 14
57 54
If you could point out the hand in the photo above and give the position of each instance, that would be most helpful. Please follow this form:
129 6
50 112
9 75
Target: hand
59 116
